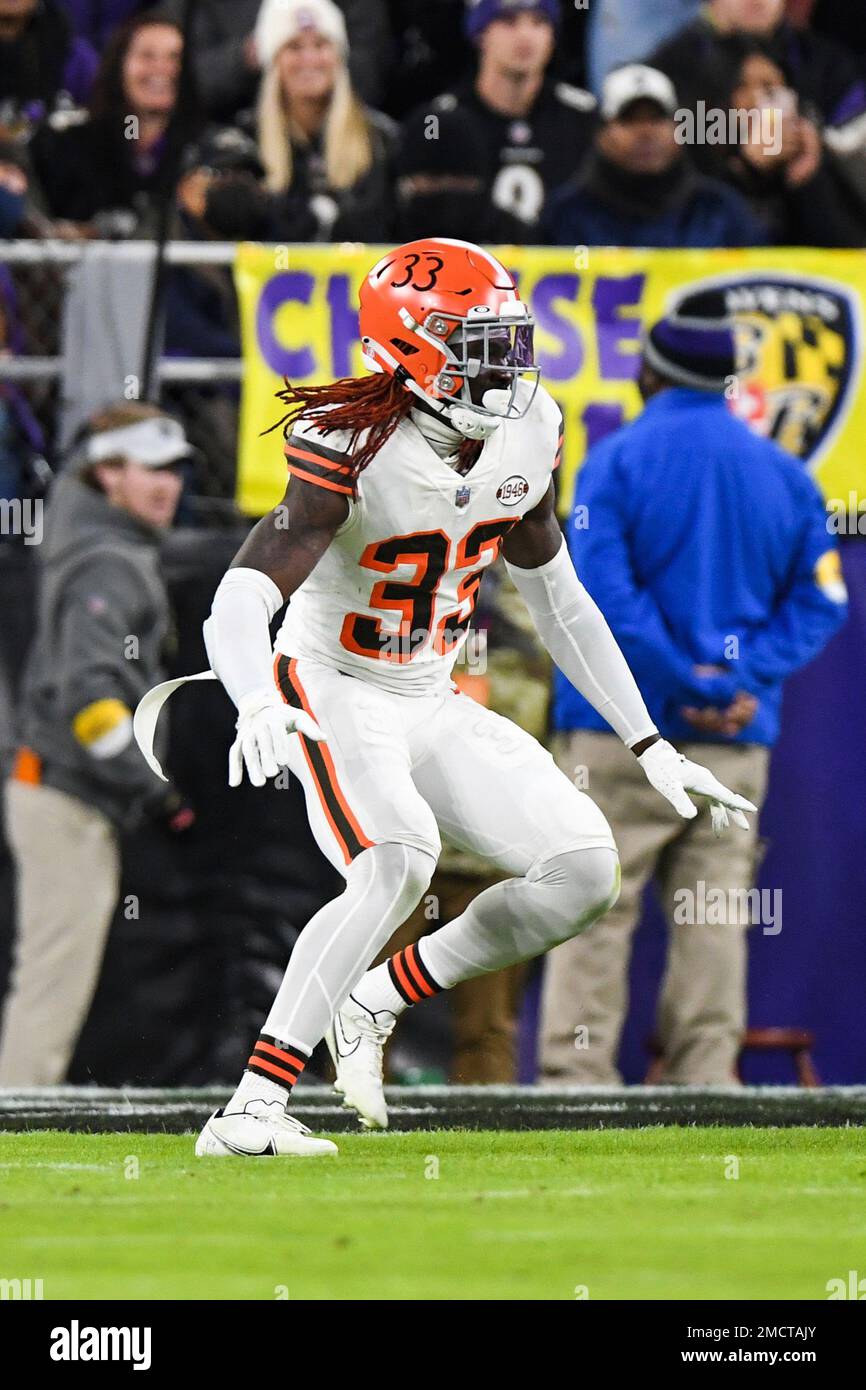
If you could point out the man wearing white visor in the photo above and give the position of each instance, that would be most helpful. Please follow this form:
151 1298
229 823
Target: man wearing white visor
78 777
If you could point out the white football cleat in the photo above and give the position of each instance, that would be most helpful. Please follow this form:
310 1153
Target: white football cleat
356 1041
261 1129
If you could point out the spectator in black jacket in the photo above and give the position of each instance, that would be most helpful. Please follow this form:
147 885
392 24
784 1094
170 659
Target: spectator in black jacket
109 167
443 184
782 168
43 64
536 130
328 159
704 58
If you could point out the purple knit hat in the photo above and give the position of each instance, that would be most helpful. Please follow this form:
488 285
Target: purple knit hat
480 13
695 352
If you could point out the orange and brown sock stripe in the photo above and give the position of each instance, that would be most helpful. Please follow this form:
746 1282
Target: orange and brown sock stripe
272 1059
410 976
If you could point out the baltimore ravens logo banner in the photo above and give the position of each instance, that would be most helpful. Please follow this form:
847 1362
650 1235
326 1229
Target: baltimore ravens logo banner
798 315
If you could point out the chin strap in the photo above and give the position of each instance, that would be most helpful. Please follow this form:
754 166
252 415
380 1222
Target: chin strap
469 423
479 424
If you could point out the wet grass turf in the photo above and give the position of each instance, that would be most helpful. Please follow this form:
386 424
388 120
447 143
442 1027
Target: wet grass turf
625 1214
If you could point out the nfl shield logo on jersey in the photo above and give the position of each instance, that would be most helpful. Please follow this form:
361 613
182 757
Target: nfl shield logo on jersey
461 496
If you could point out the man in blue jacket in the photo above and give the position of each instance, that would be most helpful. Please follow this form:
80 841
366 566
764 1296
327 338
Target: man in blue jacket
707 550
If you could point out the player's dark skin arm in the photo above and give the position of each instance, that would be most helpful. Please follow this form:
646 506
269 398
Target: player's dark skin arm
537 539
288 543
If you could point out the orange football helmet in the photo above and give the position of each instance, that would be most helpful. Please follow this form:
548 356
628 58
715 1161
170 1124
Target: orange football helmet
423 304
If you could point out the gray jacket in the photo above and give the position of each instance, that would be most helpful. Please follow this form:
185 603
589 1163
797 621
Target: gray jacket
102 619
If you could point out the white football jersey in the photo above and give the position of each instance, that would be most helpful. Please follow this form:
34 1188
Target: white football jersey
392 597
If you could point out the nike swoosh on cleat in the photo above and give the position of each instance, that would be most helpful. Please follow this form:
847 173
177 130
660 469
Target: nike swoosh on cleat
353 1047
268 1150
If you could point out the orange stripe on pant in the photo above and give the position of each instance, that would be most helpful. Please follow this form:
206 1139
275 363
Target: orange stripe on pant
331 787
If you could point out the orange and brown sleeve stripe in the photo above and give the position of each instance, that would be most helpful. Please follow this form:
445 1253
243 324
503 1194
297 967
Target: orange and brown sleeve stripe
410 976
316 463
272 1059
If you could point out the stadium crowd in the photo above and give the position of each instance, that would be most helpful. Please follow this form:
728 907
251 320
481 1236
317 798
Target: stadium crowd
351 111
524 122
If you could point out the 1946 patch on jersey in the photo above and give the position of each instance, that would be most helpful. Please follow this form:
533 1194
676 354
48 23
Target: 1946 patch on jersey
513 490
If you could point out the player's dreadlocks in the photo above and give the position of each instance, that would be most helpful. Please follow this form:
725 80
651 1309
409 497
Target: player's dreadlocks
376 403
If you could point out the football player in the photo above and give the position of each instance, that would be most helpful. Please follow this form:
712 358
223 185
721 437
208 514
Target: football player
406 483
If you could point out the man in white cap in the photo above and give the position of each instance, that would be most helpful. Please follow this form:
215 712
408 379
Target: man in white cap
639 187
78 777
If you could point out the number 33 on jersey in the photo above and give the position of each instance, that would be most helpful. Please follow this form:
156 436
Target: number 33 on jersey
391 604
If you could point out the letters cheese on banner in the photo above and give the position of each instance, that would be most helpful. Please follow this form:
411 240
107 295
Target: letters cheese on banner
798 314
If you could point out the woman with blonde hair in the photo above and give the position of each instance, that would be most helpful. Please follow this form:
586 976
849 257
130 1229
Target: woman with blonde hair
328 158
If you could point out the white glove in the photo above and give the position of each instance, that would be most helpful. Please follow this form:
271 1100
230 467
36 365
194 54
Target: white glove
264 725
674 776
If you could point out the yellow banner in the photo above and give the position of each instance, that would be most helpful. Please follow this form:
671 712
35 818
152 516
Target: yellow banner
798 313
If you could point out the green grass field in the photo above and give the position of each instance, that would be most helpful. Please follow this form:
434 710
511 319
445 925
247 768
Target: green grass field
625 1214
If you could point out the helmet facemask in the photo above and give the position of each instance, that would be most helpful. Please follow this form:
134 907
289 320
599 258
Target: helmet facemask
482 342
